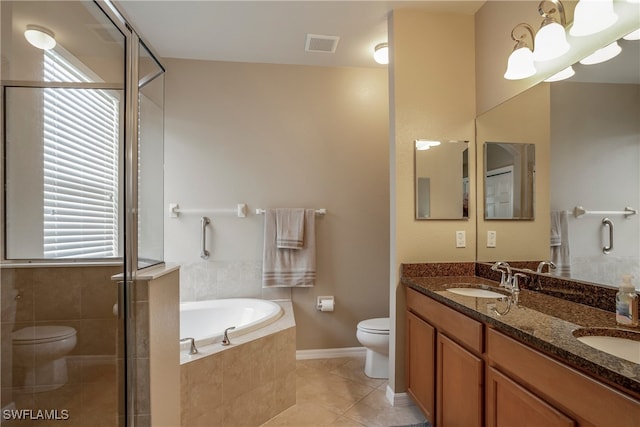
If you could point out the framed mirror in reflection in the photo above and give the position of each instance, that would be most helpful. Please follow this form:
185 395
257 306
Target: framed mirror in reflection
441 176
509 180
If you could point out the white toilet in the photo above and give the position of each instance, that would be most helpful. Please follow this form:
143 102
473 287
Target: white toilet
374 335
41 351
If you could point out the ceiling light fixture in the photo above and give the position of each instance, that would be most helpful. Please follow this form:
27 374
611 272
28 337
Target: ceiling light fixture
381 53
551 39
602 55
425 144
40 37
562 75
520 64
592 16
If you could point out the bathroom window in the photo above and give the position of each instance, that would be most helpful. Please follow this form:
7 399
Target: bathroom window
81 134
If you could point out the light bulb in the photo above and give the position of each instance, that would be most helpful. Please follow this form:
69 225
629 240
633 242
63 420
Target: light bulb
562 75
551 42
602 55
592 16
520 64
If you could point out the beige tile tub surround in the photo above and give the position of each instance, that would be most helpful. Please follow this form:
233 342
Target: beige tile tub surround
244 384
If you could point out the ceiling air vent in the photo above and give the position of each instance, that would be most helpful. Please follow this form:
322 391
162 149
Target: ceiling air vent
323 44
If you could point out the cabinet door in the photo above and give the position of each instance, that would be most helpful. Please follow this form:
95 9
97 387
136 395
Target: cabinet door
421 368
509 404
459 396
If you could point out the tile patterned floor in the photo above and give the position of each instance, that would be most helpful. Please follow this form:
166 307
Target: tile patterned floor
335 392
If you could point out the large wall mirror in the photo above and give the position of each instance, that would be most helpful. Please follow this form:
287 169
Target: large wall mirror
593 161
509 177
441 173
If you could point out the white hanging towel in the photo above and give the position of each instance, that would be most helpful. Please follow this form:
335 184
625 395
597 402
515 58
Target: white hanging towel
286 267
560 254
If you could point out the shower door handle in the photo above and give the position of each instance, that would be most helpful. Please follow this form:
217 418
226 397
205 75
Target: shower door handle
607 249
204 221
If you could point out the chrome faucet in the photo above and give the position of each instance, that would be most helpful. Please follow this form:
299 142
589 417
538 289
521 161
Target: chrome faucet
193 349
551 265
505 278
225 336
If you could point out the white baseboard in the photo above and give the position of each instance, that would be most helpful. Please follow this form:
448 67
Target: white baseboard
398 399
330 353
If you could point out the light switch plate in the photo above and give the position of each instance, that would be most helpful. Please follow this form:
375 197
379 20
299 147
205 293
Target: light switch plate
461 240
491 239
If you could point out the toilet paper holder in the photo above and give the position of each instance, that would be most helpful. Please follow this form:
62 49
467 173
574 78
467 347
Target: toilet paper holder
325 303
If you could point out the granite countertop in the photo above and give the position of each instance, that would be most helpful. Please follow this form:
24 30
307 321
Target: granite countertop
543 322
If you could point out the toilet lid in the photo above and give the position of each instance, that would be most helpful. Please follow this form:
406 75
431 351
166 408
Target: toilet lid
42 334
378 325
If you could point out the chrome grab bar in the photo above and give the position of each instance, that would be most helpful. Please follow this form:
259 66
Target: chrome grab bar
204 254
609 223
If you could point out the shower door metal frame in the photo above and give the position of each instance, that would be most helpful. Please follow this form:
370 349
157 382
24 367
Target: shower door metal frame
130 259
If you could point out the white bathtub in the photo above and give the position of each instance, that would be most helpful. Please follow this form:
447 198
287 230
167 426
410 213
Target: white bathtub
206 320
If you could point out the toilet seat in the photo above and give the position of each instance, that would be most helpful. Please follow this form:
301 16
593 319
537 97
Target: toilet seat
42 334
378 326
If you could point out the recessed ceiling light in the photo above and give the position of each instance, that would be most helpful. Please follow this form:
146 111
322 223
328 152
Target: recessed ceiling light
40 37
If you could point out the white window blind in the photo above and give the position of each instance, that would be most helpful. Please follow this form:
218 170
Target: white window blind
80 165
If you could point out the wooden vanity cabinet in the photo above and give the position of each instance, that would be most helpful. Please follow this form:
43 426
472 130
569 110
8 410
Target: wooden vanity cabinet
554 386
510 404
459 387
461 372
421 364
444 363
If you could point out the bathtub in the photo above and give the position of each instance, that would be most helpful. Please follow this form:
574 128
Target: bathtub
205 321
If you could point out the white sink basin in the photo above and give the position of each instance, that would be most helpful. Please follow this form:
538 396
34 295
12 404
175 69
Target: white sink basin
623 348
624 344
475 292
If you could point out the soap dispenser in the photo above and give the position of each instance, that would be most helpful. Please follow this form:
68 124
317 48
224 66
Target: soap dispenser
627 303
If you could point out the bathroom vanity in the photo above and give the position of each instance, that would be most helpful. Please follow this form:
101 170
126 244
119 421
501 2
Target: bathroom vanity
467 365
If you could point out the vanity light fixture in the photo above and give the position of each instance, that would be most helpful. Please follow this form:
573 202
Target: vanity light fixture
381 53
634 35
424 144
561 75
520 64
602 55
592 16
551 39
40 37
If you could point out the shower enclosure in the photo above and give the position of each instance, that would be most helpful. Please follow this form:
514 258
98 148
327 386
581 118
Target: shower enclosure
82 172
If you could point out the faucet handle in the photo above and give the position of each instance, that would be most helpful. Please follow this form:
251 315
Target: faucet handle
192 349
225 336
515 286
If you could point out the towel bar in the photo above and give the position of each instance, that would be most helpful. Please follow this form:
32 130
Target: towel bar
321 211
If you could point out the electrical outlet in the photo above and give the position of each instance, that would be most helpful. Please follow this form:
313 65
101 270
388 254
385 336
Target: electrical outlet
491 239
461 240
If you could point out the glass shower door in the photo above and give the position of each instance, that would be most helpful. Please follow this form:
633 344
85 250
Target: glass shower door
69 248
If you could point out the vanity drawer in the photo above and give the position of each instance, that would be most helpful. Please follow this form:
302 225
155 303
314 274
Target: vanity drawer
457 326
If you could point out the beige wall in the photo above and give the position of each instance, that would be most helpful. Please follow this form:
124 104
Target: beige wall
524 119
432 89
281 136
